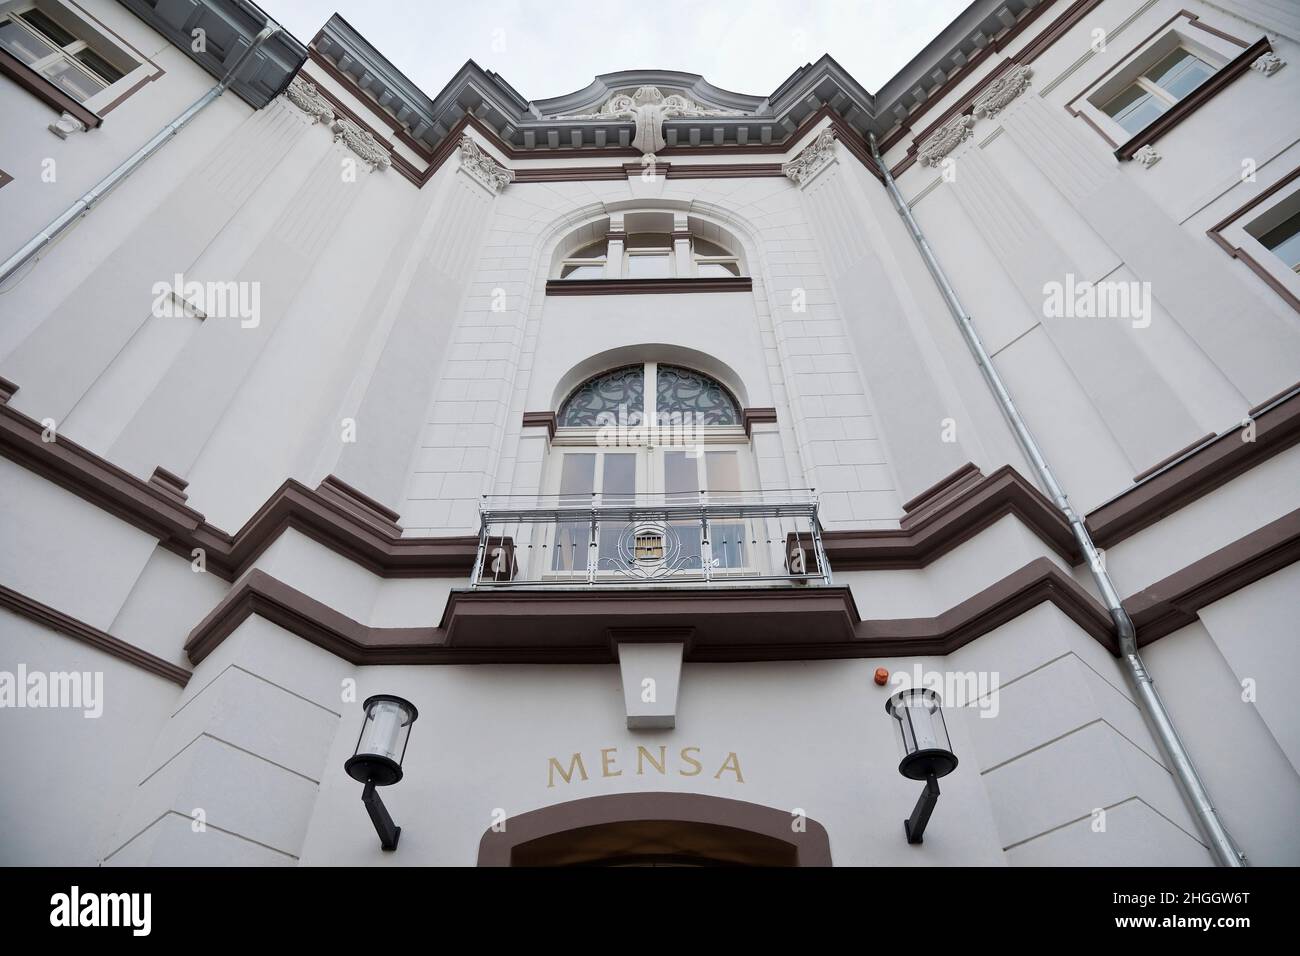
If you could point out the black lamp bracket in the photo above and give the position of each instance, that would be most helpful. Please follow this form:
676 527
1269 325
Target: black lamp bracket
384 826
914 826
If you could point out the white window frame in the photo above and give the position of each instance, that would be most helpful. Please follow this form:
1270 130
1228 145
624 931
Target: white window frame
624 266
1197 38
1239 236
87 36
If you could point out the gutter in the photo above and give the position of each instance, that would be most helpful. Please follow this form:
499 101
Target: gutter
133 162
1189 781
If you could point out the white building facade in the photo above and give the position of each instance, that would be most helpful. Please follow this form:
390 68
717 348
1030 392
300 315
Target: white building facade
631 438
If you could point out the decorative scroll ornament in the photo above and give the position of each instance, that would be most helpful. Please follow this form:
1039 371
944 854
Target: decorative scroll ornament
1268 64
1147 156
812 158
361 142
1002 92
66 125
949 136
483 167
648 108
307 98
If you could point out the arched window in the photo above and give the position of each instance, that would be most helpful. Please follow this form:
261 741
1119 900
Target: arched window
681 396
654 434
649 249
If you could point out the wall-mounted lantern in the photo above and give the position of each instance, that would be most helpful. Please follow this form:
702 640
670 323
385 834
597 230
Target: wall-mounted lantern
377 760
927 751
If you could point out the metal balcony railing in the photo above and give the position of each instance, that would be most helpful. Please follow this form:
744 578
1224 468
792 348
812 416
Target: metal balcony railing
704 539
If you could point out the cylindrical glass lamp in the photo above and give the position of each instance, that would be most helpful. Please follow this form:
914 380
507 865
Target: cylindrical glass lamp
918 717
381 746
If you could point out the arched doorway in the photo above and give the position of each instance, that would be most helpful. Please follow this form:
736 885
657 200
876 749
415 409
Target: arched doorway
656 829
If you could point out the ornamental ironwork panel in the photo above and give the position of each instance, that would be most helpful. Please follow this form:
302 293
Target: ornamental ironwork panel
606 394
694 397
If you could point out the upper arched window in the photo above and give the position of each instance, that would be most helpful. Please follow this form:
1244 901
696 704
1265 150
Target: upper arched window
649 249
654 392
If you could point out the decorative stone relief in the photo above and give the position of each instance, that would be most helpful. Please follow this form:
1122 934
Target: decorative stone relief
1268 64
483 167
66 125
1147 156
812 158
648 108
307 98
361 142
947 138
1002 92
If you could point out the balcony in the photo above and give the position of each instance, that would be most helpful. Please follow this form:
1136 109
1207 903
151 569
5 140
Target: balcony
695 540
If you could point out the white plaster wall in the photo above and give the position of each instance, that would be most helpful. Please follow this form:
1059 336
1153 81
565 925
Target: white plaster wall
77 772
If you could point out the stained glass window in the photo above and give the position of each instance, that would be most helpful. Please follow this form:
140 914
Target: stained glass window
607 393
695 397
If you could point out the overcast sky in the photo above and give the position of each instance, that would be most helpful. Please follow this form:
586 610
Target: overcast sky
546 48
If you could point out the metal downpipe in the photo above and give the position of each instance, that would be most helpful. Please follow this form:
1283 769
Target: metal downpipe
1189 781
133 162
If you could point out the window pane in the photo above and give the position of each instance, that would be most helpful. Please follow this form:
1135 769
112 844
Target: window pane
726 539
683 397
68 78
619 474
21 43
607 400
98 65
1284 241
1135 108
722 469
582 272
577 478
716 269
577 482
681 485
681 475
45 25
619 488
1179 73
648 267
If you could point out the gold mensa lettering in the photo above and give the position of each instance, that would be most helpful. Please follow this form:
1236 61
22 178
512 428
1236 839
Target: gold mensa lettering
661 764
575 761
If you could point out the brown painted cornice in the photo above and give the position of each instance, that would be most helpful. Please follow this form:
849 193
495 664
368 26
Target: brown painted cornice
1174 601
55 620
346 521
1199 472
958 508
582 627
355 526
335 515
647 286
737 624
45 91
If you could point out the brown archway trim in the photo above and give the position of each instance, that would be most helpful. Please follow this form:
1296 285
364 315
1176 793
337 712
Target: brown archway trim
812 847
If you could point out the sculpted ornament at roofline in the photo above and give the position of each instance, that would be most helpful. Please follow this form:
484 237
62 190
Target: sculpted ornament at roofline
648 108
